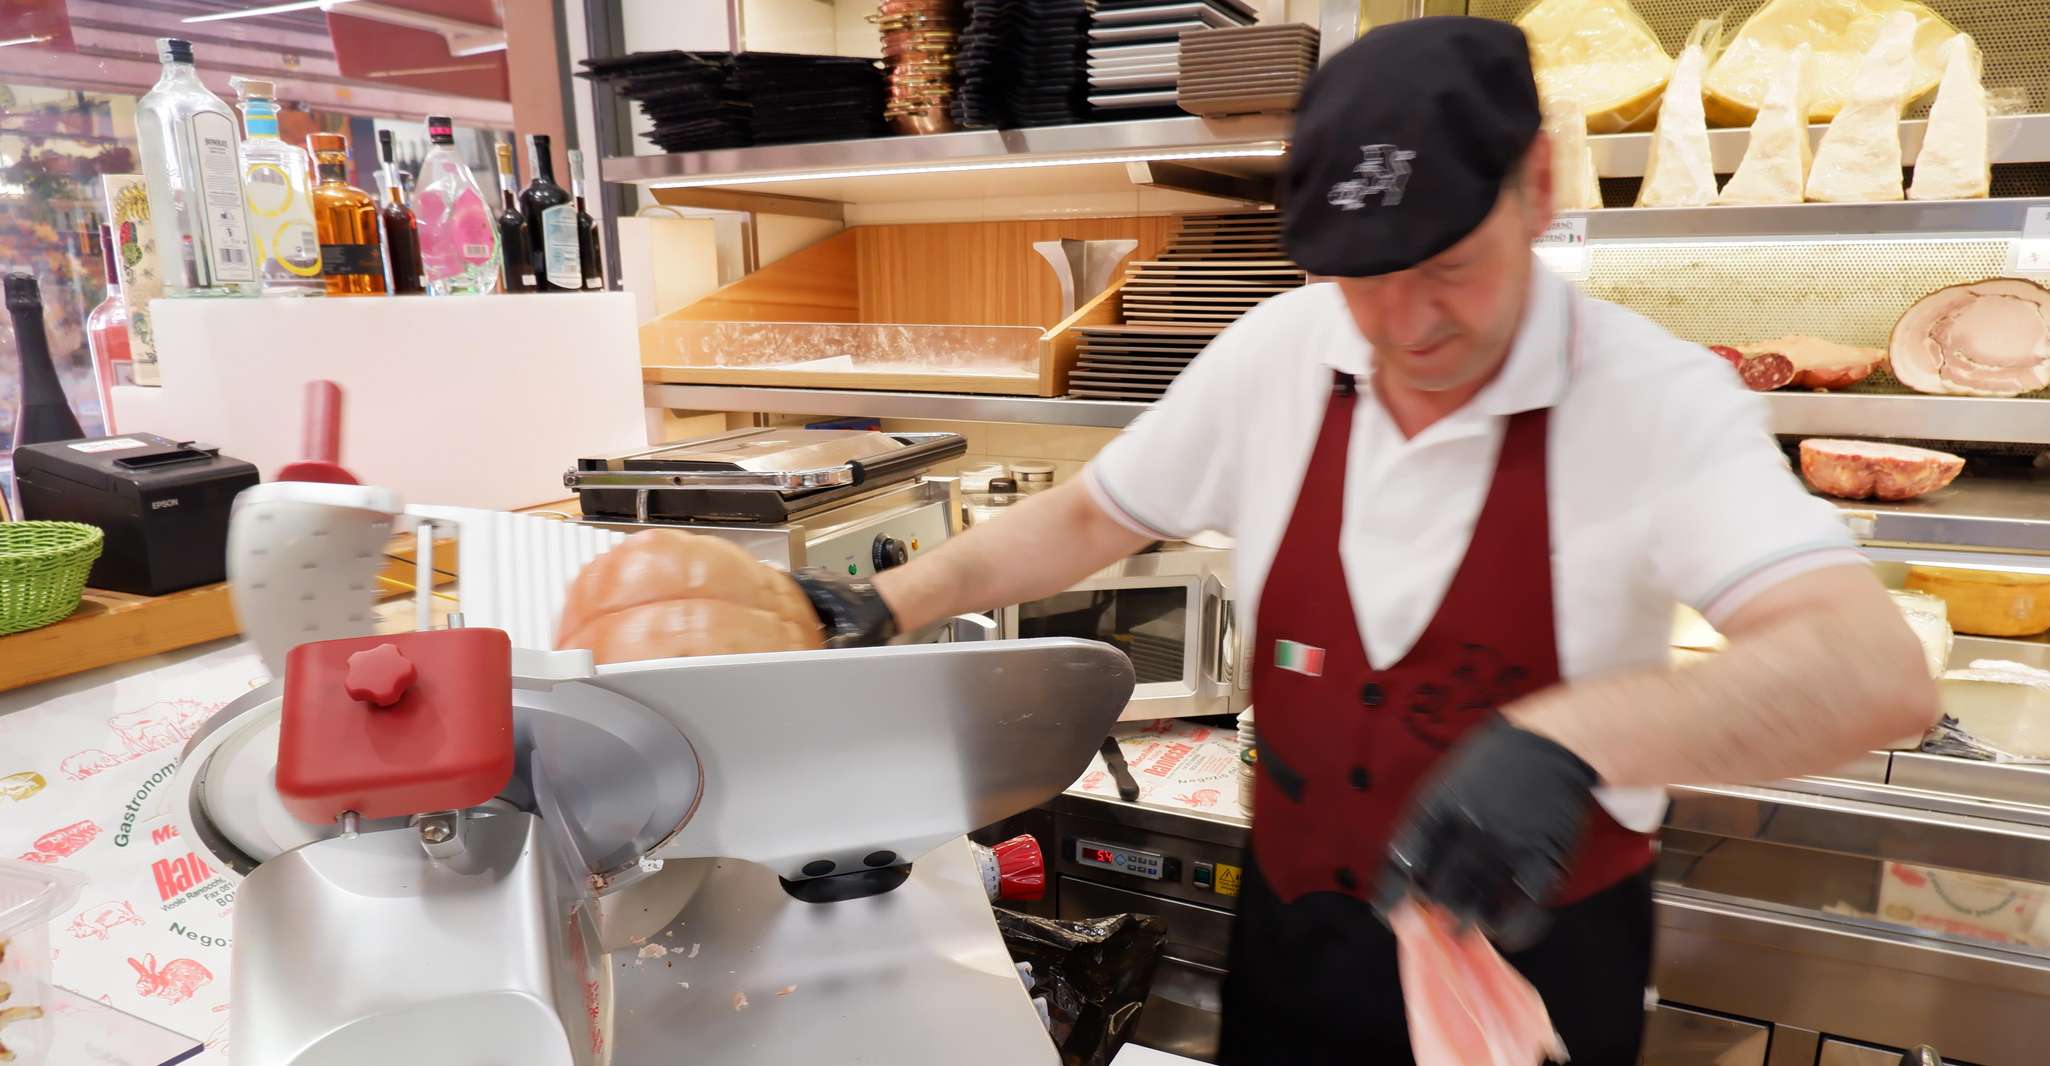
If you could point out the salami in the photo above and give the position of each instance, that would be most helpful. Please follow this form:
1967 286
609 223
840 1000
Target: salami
1729 355
1766 372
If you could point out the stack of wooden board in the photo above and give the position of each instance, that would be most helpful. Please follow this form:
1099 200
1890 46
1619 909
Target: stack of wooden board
1214 270
1245 70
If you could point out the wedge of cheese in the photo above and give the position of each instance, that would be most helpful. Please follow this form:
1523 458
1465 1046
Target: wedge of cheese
1839 32
1775 166
1859 160
1953 164
1679 171
2004 705
1929 619
1601 53
1575 185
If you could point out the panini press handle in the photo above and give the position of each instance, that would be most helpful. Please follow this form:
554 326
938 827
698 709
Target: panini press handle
917 456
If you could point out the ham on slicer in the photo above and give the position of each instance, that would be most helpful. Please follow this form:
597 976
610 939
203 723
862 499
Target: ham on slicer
456 845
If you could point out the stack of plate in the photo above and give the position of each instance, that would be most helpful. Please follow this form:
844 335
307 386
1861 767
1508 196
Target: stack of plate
918 51
1133 46
1247 70
704 100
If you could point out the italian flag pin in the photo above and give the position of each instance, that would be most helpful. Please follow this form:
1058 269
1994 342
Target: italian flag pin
1300 658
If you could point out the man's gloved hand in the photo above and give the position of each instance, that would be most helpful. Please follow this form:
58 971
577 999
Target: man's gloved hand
1490 832
852 612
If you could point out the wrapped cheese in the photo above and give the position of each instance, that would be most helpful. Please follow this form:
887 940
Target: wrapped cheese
1575 185
1601 53
1953 164
1860 157
1775 166
1839 33
1679 172
1994 710
1929 619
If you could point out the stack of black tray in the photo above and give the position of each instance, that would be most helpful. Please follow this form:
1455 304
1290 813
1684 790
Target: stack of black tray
1023 63
704 100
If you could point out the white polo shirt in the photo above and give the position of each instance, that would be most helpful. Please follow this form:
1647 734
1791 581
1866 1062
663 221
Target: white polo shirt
1664 484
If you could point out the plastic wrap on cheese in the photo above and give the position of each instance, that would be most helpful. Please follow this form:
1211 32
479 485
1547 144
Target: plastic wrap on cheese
1839 32
1679 172
1775 166
1601 53
1859 160
1575 185
1929 619
1953 164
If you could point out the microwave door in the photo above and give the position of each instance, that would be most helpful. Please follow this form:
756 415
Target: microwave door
1158 624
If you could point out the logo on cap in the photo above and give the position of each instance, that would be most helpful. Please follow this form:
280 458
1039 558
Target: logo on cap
1383 172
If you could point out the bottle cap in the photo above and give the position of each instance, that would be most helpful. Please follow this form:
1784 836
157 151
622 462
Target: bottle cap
440 130
23 294
174 50
1002 484
107 254
326 142
253 88
384 151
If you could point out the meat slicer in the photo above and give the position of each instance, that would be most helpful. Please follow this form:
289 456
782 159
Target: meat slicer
458 846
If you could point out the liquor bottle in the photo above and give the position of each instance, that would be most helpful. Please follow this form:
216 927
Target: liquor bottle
350 257
275 186
458 238
587 230
562 239
401 230
191 159
541 194
41 414
515 265
106 335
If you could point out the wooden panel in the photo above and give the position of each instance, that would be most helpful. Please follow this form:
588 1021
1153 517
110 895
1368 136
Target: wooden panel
749 377
114 627
812 285
980 273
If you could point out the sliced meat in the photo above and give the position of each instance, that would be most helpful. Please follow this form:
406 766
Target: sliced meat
1821 364
666 593
1766 372
1727 354
1988 338
1466 1006
1857 469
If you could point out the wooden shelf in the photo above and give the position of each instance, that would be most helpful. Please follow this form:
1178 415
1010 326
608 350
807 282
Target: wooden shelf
114 627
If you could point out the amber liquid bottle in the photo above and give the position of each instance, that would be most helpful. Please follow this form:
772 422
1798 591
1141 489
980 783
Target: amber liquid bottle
401 229
351 257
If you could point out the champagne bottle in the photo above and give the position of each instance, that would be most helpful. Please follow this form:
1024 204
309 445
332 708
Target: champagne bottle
516 264
41 414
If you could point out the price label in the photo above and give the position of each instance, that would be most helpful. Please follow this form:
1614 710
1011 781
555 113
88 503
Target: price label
2030 253
1563 246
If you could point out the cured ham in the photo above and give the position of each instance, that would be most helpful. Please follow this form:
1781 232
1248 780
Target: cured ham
1988 338
1858 469
666 593
1465 1004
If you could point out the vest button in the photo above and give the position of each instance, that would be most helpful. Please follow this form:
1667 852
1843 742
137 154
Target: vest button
1360 778
1346 880
1372 695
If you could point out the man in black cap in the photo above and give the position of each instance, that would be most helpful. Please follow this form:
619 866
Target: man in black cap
1465 500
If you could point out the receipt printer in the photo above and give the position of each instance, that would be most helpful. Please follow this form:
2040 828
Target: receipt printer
163 505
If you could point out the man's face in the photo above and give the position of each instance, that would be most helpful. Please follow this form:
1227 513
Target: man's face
1447 323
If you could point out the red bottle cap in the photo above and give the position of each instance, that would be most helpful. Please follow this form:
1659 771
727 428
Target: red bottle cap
1021 869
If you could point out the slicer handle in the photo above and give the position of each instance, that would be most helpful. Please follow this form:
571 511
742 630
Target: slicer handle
321 423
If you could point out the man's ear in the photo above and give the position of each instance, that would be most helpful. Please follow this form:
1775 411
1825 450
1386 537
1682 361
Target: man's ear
1536 185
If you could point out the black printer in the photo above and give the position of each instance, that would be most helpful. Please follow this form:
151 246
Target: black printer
163 505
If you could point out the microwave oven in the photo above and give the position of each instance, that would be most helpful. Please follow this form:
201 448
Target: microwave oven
1171 612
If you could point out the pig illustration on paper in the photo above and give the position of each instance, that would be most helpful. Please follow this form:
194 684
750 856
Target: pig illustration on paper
89 762
99 922
165 724
62 843
174 982
1202 797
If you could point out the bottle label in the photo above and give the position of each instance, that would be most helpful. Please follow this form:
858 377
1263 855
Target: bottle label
269 190
296 246
560 257
220 196
342 260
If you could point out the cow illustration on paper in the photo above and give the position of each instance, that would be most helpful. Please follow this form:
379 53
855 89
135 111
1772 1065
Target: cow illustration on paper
62 843
89 762
162 726
173 982
98 923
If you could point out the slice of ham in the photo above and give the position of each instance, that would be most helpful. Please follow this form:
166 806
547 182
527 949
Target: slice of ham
1988 338
1465 1004
1858 469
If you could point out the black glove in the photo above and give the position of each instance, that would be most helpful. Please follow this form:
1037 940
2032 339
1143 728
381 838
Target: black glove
1490 832
852 612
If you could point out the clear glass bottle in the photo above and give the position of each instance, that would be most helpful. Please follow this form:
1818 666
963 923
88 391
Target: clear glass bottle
401 229
276 184
106 336
515 264
192 161
351 257
587 230
541 194
458 238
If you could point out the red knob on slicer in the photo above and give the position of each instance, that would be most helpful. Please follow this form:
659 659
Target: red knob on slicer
380 676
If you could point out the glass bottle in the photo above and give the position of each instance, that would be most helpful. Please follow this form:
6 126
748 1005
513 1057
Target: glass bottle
541 194
106 335
458 237
401 230
516 266
587 230
191 160
275 178
41 413
351 259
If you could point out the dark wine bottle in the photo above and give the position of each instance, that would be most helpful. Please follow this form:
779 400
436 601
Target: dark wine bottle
41 414
401 228
587 227
516 267
541 194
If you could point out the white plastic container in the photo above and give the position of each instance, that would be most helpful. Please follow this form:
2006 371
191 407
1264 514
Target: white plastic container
30 895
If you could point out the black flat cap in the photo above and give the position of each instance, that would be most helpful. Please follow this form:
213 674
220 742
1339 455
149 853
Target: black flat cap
1403 140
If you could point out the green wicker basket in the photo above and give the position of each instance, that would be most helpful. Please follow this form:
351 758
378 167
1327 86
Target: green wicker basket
42 571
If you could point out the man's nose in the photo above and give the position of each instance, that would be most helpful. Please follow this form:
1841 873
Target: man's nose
1407 314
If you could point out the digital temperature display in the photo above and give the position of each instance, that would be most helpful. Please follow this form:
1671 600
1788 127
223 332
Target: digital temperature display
1102 855
1119 860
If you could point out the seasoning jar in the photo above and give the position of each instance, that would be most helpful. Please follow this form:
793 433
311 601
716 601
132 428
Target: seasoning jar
1033 476
980 507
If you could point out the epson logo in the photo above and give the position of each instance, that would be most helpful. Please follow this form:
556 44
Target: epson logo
163 505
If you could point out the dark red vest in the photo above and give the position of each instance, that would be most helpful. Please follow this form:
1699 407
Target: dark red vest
1343 745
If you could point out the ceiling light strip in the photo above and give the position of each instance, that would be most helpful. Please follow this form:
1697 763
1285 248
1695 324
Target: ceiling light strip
887 170
270 9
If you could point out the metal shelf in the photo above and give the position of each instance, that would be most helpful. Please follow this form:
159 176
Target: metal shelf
1990 516
2010 139
852 403
1854 414
1995 218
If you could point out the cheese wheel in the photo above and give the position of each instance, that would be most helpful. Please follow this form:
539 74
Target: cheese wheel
1838 32
1988 603
1602 54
